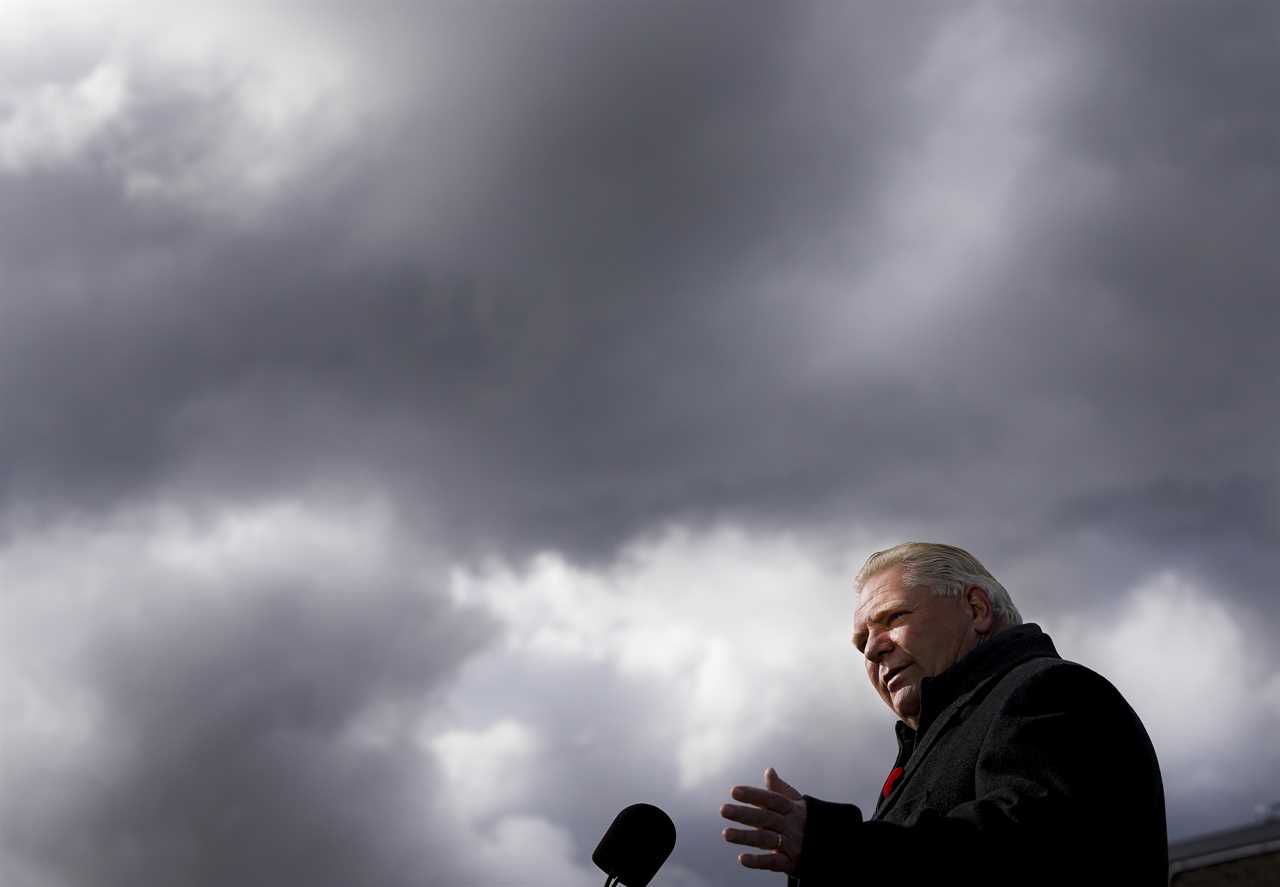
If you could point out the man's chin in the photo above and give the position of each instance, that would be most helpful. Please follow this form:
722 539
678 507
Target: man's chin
907 709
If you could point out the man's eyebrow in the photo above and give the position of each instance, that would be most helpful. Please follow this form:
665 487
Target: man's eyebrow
886 608
876 617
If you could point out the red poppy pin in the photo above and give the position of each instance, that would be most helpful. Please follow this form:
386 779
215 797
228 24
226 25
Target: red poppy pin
891 781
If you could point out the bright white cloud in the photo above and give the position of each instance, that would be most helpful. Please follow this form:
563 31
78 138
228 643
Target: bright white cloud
231 104
51 123
521 849
492 777
1187 665
275 540
692 653
488 771
737 634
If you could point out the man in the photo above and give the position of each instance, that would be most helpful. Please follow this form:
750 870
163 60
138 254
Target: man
1014 766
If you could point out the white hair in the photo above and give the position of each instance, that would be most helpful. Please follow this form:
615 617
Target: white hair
945 570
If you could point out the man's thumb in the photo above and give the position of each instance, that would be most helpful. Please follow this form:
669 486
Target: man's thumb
776 783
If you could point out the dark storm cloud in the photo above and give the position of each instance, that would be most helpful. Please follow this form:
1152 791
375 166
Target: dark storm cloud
1173 114
574 342
1232 525
562 357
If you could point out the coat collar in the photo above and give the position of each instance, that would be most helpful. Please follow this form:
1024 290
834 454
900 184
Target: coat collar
942 696
1001 652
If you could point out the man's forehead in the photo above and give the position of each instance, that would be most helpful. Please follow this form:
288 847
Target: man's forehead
879 590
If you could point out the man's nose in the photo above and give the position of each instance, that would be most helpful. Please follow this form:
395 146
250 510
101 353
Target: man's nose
878 643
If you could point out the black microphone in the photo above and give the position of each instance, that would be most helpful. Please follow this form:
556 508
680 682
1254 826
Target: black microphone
635 846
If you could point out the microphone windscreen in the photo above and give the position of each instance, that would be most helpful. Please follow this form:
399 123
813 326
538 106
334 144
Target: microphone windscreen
636 845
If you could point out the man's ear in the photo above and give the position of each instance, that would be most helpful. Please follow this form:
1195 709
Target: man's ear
979 603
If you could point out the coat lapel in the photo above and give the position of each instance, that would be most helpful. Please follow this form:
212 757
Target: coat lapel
940 725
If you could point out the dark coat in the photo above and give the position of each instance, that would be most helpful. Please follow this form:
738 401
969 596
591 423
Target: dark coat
1025 769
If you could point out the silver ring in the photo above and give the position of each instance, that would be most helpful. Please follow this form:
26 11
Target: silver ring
779 847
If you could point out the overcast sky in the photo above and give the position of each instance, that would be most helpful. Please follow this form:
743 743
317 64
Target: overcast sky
428 428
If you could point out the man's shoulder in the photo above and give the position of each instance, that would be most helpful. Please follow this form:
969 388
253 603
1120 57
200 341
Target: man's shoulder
1051 669
1057 683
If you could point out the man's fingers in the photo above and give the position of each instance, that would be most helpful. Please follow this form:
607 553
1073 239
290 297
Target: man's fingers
752 837
752 816
761 798
774 862
769 811
776 783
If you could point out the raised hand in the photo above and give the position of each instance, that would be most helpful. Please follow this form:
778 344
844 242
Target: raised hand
777 813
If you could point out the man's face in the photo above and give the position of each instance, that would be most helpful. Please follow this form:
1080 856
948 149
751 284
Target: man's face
907 634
